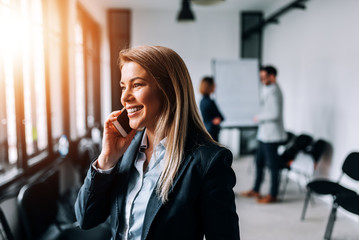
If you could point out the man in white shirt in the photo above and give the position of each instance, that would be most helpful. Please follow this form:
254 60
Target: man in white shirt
270 135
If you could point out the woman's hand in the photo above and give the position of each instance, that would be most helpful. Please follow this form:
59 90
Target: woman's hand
216 121
113 144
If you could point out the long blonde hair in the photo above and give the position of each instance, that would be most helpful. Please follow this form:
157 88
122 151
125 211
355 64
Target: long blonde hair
179 112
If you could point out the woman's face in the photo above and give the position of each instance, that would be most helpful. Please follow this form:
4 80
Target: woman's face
141 96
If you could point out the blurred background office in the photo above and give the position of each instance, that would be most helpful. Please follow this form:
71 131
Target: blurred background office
59 79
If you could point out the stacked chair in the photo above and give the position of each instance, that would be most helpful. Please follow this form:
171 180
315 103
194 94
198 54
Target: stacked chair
342 196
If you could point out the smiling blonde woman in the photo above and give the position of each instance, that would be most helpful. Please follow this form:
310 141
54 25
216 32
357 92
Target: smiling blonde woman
167 179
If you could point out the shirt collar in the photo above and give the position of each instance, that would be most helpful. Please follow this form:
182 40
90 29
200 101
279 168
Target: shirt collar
144 141
163 142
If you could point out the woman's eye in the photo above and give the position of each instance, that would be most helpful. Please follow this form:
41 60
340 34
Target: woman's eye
136 84
123 88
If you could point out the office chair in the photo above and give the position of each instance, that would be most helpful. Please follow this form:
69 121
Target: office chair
290 138
303 141
5 232
349 202
38 209
293 146
318 149
299 143
326 187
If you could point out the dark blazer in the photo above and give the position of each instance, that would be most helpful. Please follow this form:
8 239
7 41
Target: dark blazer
209 111
201 201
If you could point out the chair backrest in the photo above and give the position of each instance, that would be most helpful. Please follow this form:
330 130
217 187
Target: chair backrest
5 232
318 149
38 207
289 154
351 165
302 142
290 138
288 150
294 146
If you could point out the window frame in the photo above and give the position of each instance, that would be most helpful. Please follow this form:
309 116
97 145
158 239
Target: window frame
47 156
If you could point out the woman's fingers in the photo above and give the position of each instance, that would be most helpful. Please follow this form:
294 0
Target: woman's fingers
112 117
116 113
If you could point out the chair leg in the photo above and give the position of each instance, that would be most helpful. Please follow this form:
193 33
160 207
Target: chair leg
299 186
331 221
307 180
285 184
306 201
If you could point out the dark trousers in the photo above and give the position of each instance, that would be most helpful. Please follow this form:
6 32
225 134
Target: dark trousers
214 131
267 155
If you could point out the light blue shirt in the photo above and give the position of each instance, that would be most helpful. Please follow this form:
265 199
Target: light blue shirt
141 185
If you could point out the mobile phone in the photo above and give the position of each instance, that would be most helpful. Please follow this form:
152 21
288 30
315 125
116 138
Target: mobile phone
122 123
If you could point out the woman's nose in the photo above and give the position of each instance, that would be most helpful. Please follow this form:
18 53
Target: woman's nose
125 96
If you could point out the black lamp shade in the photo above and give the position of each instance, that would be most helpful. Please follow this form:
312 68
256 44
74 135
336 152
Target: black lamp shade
186 13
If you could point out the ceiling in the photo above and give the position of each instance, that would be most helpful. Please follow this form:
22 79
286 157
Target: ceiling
259 5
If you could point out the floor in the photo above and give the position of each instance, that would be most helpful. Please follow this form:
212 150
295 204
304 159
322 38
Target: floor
281 221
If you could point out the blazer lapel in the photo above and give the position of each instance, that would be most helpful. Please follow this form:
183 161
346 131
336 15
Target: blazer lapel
130 155
155 202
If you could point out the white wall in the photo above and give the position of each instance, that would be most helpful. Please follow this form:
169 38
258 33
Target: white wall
316 52
212 35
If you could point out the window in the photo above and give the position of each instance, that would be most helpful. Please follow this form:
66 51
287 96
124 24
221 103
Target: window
56 76
38 86
8 137
23 106
86 87
34 78
80 87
